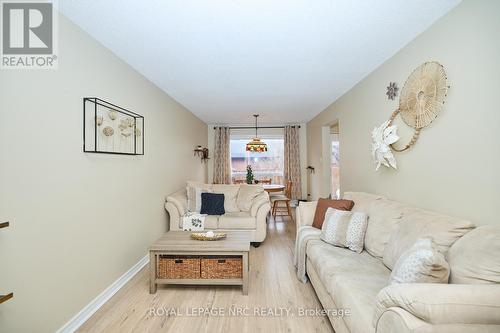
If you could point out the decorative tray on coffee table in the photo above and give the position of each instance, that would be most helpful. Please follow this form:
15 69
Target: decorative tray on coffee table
208 236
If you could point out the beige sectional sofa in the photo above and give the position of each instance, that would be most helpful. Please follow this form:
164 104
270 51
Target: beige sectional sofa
344 279
246 209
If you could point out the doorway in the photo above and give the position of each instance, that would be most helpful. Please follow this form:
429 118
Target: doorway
330 160
334 163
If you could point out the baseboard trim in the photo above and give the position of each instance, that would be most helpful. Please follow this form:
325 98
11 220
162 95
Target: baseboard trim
74 323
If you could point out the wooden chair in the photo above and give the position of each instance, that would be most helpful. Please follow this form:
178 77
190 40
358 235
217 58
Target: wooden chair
285 199
265 181
239 181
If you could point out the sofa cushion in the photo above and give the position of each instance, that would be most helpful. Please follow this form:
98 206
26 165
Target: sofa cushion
211 221
357 293
475 258
383 219
246 194
361 200
444 230
331 261
230 195
353 280
239 220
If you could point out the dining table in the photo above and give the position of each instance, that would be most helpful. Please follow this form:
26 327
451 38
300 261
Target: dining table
271 188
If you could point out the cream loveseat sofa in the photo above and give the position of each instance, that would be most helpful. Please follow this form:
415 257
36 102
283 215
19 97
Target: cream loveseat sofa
359 283
246 209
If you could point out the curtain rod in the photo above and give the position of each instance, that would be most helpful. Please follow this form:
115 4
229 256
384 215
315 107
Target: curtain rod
253 127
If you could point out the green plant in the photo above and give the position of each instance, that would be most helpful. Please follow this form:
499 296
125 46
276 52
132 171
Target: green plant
249 175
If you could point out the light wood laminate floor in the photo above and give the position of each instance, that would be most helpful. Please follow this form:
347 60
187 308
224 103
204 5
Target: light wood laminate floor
273 286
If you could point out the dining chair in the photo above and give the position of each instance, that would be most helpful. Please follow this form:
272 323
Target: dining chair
285 198
239 181
265 181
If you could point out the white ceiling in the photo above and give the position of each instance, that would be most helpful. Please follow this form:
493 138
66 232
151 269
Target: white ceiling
227 59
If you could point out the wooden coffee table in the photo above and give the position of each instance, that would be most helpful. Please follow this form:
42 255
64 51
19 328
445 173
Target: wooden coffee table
180 243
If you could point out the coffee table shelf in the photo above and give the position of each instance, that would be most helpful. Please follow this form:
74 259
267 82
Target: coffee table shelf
179 243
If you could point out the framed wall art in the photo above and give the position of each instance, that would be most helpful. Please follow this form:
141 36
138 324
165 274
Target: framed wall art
111 129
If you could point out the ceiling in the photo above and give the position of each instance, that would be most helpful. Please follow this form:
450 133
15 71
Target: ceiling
227 59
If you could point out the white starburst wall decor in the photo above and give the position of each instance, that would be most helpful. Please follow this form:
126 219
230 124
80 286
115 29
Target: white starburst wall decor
383 137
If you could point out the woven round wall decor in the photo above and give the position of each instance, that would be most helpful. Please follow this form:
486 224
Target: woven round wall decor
423 95
422 98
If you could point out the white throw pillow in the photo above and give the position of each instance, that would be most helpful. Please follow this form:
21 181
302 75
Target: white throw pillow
194 191
422 263
198 199
193 222
345 229
194 199
191 198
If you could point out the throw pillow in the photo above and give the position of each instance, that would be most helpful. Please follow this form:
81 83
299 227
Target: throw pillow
191 198
194 190
324 204
422 263
344 229
194 198
212 204
193 222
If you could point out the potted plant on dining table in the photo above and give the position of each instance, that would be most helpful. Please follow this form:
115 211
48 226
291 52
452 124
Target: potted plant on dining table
249 177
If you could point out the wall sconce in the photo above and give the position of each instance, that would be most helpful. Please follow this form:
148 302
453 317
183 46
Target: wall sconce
202 153
310 169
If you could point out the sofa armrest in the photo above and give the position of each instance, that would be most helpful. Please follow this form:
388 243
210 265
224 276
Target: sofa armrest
305 213
176 207
175 222
397 320
179 200
443 303
261 222
257 202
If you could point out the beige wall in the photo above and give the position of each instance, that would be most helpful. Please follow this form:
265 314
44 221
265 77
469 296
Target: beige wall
454 167
79 221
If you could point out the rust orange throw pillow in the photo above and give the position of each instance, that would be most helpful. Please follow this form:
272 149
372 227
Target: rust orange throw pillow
324 204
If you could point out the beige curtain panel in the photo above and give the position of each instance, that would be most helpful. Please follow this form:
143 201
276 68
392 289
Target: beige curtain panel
292 160
222 156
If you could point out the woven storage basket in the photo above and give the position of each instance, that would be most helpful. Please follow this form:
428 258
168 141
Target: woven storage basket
221 267
175 267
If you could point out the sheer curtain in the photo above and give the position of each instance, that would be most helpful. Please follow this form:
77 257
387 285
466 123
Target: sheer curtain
222 156
292 160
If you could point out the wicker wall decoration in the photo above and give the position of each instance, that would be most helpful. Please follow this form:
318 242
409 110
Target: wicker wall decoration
420 102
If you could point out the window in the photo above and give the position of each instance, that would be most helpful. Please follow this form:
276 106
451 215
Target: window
268 165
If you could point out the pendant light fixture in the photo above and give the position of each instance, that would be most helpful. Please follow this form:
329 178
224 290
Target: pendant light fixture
256 145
